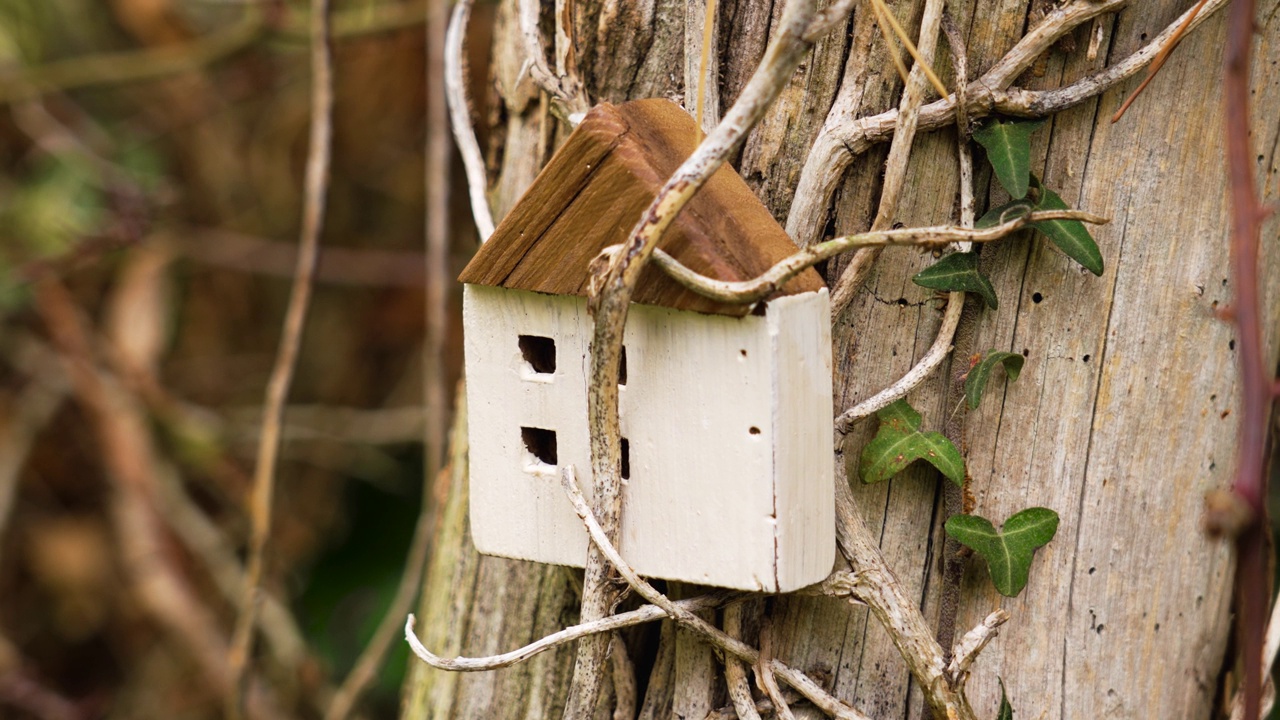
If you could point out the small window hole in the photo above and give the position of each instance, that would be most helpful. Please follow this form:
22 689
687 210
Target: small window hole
754 430
626 459
539 352
541 444
622 367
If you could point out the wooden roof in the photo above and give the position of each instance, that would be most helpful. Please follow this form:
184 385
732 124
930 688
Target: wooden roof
591 195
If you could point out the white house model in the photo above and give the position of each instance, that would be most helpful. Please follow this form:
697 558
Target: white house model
725 409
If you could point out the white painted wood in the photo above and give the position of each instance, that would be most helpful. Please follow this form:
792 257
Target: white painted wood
800 331
728 428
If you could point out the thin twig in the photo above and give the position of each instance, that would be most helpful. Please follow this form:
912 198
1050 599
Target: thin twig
759 288
966 651
735 673
639 616
796 679
610 300
1250 484
464 136
316 185
1165 51
765 678
922 57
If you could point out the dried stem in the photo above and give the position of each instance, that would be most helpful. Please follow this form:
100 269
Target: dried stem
639 616
316 185
757 289
1250 486
735 673
718 639
611 298
966 651
455 85
1165 51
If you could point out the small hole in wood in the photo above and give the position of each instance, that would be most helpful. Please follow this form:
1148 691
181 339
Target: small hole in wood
754 430
541 444
622 367
744 352
539 352
1036 298
626 459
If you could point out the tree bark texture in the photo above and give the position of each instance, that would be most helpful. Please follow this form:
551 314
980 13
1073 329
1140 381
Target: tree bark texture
1121 421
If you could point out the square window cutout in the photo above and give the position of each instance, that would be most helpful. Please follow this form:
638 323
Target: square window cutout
540 454
539 354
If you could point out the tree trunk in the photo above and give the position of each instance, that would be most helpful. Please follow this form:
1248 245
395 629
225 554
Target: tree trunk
1121 421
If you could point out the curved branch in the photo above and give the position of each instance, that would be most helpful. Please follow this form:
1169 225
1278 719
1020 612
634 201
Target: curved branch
464 135
750 291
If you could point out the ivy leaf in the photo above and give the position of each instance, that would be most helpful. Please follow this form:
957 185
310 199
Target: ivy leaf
976 382
1004 213
1007 551
1070 236
1006 710
958 272
1008 145
899 443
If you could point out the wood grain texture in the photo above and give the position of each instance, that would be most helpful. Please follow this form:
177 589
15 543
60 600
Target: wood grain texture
1126 613
594 190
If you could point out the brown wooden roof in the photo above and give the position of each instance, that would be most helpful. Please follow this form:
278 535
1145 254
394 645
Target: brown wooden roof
591 195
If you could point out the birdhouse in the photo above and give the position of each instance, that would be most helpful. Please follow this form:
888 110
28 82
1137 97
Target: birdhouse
725 409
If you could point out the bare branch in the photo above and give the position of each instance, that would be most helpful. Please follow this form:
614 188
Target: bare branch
966 651
757 289
455 85
643 614
735 673
316 186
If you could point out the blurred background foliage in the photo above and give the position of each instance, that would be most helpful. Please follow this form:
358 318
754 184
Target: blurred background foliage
151 157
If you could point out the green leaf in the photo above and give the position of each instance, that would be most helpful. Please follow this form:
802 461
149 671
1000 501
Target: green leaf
1070 236
899 442
1008 551
976 382
1004 213
958 272
1008 145
1006 710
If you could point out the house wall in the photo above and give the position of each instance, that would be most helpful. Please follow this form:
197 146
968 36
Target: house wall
701 414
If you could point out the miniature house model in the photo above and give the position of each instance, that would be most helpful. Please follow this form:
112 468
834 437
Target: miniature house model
725 409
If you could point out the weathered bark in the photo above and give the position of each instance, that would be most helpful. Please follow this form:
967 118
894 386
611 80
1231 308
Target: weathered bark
1120 421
